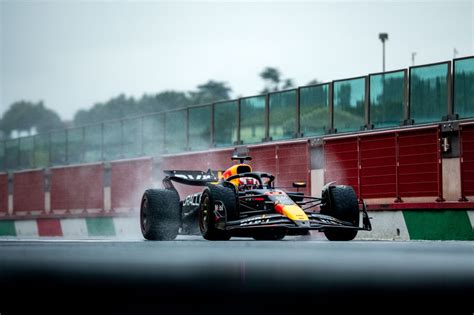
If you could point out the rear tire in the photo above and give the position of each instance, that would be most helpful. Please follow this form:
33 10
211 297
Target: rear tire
207 215
343 205
160 214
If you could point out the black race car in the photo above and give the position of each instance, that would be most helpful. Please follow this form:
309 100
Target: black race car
243 203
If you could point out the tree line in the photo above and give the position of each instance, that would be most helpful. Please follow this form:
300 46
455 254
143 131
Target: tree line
34 117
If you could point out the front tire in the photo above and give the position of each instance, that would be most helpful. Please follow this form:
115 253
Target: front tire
160 214
207 211
342 204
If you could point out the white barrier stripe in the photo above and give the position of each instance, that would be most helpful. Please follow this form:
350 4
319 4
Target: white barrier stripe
129 226
26 228
47 202
107 199
471 218
74 228
317 182
10 204
386 225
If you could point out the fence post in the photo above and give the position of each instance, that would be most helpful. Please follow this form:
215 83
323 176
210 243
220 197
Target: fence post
186 117
331 109
450 93
367 122
267 118
102 156
212 125
298 114
239 141
397 168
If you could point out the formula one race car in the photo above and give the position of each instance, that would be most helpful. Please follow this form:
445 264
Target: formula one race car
243 203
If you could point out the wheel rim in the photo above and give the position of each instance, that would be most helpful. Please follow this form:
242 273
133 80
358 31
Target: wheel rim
204 222
144 214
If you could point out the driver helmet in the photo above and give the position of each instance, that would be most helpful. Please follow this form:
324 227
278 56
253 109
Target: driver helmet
248 182
237 169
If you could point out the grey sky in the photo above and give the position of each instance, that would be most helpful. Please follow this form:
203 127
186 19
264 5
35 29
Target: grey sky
75 53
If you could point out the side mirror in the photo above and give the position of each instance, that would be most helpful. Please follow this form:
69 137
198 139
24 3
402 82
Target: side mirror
299 184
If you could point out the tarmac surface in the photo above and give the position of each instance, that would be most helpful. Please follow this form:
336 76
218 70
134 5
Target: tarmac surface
191 275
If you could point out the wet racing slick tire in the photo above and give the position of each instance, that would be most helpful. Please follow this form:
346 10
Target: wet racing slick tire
212 200
160 214
345 207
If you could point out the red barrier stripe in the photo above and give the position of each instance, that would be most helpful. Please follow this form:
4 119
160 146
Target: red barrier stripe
49 227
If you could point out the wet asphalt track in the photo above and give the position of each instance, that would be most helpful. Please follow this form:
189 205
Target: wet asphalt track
195 276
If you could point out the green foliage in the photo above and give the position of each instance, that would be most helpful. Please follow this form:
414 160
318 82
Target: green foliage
163 101
314 110
283 115
47 119
314 82
316 120
252 117
349 104
288 84
464 88
428 99
121 106
347 120
272 78
274 81
344 96
24 115
115 108
209 92
41 153
428 93
199 127
386 99
225 123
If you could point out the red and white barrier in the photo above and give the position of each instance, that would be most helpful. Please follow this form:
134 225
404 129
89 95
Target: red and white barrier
28 193
129 179
77 189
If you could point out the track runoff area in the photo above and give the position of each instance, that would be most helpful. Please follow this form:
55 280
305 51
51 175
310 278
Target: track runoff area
191 275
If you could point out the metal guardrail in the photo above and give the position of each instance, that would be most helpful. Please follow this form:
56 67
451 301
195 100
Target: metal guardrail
422 94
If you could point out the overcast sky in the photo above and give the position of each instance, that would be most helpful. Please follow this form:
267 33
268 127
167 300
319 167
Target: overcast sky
71 54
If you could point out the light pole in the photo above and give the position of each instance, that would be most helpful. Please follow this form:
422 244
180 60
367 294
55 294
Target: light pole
383 37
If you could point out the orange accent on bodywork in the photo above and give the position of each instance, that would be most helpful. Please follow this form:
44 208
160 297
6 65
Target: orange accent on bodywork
292 212
279 208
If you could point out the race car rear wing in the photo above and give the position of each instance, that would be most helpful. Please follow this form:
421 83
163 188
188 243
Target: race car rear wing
192 178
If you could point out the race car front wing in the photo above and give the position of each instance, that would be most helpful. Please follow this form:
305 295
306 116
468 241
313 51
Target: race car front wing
317 221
